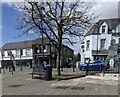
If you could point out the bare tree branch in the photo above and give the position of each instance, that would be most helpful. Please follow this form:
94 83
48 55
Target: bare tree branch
57 19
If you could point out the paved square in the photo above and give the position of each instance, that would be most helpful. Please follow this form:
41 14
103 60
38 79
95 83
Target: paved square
21 83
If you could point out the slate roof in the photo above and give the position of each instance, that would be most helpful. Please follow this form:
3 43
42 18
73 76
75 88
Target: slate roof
17 45
25 44
112 24
39 41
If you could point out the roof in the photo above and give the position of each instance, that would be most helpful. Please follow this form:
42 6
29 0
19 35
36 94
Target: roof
17 45
25 44
39 41
46 41
112 24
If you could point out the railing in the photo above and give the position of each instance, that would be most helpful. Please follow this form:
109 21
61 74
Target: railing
100 52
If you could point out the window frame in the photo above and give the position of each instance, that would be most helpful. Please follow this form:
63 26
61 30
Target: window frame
101 42
17 55
87 46
103 29
28 52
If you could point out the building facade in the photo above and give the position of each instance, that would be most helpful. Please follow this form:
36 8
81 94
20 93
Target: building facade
98 39
27 51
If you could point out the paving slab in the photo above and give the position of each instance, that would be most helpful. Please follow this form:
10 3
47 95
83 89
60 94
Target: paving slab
21 83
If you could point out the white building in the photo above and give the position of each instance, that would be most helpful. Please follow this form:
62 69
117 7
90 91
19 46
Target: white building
27 51
15 48
98 38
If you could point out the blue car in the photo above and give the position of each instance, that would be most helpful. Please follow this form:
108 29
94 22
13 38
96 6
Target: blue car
93 65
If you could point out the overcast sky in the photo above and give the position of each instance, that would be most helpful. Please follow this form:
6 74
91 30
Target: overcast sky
103 9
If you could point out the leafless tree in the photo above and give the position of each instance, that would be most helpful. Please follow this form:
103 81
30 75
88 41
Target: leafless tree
61 19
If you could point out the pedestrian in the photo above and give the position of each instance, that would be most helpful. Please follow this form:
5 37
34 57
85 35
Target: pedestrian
12 59
87 67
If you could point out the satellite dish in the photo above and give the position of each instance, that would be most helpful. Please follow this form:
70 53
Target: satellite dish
113 41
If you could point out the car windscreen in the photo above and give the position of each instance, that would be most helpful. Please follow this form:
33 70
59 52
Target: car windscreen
97 62
92 62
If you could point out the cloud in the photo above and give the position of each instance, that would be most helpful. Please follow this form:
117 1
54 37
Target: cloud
106 9
31 32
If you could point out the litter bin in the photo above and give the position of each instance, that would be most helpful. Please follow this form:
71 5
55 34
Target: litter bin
48 73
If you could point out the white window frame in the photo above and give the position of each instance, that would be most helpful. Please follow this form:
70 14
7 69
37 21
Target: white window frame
28 52
101 45
88 45
103 28
18 53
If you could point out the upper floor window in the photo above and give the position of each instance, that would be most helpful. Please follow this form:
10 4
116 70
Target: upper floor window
2 54
102 46
103 29
28 52
45 48
88 45
53 49
17 53
39 50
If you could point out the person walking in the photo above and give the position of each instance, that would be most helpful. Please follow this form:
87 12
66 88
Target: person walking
12 59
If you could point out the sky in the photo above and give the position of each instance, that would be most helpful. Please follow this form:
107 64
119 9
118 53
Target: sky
9 15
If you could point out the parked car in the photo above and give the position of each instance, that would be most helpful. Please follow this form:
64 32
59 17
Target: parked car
92 65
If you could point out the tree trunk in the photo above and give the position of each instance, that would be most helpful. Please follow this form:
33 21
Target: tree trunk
58 63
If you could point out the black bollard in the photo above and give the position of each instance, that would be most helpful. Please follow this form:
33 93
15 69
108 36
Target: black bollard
87 68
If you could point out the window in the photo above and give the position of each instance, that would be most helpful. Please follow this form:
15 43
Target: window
102 43
45 49
28 52
53 49
2 53
103 29
119 40
88 45
9 53
39 50
17 53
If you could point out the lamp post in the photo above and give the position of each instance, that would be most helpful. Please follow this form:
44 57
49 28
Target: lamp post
21 53
83 58
2 62
42 16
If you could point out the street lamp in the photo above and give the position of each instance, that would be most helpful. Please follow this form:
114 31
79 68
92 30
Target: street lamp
21 53
82 60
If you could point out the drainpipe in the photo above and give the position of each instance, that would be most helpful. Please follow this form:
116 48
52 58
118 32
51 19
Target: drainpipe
97 45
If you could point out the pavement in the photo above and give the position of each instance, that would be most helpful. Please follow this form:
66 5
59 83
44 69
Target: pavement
21 83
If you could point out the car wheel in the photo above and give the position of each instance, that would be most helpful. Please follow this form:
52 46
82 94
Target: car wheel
82 68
